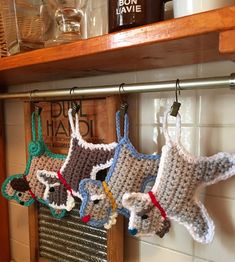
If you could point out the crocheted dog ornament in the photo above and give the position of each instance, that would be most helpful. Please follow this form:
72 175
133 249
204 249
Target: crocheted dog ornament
84 160
175 192
102 201
25 188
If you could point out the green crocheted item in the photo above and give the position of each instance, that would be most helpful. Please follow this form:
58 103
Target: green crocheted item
24 188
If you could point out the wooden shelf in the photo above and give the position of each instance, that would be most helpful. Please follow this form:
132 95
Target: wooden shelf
203 37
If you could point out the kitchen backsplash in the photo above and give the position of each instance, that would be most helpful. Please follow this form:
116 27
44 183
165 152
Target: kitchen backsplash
208 126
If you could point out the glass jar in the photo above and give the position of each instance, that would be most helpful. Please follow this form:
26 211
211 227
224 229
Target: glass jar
96 18
31 23
67 18
9 43
189 7
22 25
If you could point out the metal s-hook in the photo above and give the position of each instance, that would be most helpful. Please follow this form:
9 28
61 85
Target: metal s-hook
176 105
124 104
37 109
177 89
75 105
31 95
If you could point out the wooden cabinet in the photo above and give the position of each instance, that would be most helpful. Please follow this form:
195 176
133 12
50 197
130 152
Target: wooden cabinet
203 37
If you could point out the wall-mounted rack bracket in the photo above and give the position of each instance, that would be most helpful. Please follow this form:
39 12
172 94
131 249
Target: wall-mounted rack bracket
232 81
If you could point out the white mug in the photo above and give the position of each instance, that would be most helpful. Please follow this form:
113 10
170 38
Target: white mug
188 7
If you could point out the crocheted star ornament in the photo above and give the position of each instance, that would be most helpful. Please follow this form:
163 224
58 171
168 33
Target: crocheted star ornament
175 192
25 188
102 201
84 160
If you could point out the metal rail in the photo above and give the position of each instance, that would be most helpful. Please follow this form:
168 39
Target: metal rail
80 92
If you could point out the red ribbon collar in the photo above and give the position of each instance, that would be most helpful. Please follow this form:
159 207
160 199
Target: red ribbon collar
157 204
64 182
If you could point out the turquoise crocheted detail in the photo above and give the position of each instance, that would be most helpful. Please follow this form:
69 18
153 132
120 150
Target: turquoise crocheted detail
16 196
52 210
53 155
36 148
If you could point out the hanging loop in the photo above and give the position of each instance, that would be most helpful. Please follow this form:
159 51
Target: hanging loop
119 125
177 128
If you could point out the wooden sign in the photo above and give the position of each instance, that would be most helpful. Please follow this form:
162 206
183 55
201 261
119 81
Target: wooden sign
93 122
97 125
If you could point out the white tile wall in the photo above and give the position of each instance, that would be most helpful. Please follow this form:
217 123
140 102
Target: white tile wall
177 239
223 68
216 139
208 126
214 109
223 189
153 106
167 74
201 260
222 248
153 253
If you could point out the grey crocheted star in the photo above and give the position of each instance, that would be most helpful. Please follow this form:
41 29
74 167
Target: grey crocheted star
84 160
131 170
180 177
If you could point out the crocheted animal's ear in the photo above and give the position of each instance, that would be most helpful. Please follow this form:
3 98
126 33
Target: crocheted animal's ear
90 187
16 187
7 190
47 177
96 209
100 171
136 201
101 174
55 194
20 184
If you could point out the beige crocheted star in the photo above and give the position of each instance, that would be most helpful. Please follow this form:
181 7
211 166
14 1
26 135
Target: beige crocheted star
180 177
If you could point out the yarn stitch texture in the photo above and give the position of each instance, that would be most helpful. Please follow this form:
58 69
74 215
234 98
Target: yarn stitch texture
84 160
25 188
130 171
180 178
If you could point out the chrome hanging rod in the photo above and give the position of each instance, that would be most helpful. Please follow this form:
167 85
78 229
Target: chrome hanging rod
186 84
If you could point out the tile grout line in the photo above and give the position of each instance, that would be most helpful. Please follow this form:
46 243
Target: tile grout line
165 248
193 125
220 197
198 138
